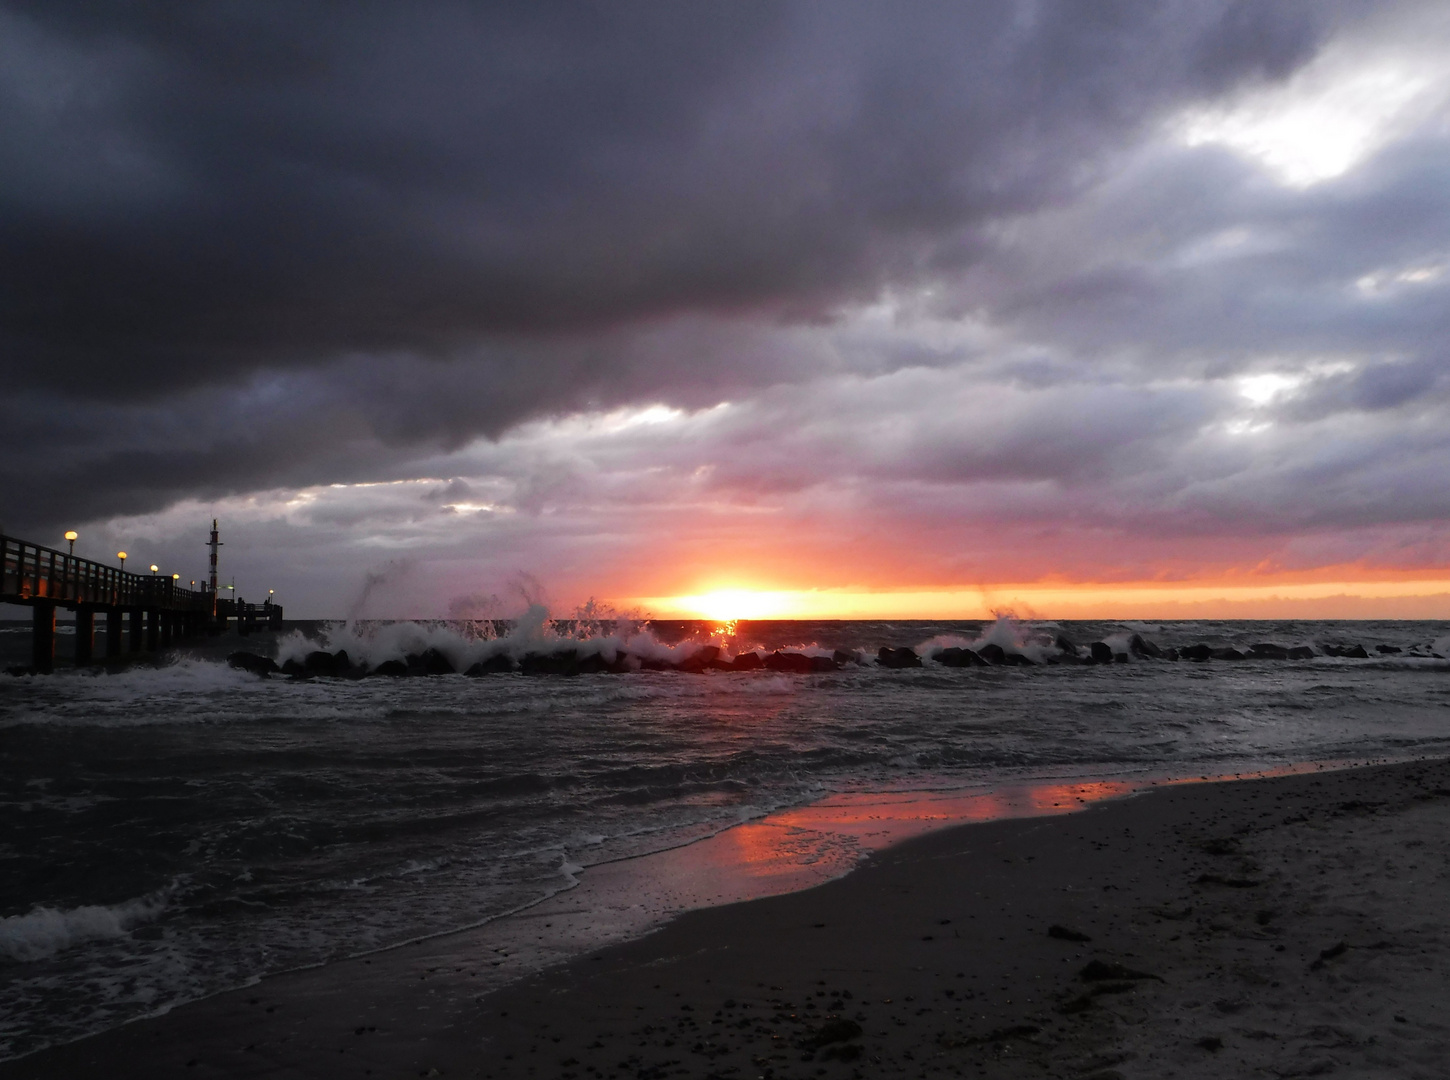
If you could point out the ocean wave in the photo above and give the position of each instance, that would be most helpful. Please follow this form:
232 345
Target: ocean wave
44 931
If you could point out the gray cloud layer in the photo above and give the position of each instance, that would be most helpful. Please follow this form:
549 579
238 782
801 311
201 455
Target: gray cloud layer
948 260
206 197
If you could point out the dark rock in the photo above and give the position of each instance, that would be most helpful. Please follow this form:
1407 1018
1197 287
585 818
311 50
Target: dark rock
559 663
1266 651
1199 653
993 653
1017 659
897 658
1170 654
823 663
1388 650
701 660
293 666
594 664
1353 652
497 664
958 657
795 663
1102 971
1066 646
747 661
842 657
1140 646
1062 933
1211 1043
257 665
396 669
1301 652
321 663
1227 654
1101 652
435 663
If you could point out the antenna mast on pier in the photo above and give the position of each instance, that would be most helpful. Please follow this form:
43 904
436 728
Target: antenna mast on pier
214 544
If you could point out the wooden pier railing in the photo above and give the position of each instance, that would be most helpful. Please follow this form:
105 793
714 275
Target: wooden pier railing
30 573
158 608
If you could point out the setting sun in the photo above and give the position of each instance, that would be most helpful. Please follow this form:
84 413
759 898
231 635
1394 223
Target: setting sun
729 605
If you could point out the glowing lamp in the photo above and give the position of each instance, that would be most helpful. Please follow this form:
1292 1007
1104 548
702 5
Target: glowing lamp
154 568
175 577
72 536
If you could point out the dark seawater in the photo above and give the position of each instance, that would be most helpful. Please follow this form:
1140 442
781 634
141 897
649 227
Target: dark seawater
169 831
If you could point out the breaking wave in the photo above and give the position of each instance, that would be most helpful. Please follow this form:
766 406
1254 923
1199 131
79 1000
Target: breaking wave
44 931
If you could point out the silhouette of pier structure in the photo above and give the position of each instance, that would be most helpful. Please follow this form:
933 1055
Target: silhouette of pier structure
158 609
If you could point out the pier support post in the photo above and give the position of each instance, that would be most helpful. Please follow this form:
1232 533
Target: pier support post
153 630
42 633
113 633
85 634
167 618
136 634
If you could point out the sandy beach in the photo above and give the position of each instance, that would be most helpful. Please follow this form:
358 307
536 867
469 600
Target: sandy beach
1289 926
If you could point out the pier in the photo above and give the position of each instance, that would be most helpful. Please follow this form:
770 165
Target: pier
143 612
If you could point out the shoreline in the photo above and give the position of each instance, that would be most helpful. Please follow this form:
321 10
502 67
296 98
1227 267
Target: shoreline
424 1006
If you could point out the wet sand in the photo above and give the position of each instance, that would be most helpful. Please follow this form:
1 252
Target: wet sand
1290 926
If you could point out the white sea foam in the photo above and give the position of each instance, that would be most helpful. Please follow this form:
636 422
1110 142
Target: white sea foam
45 931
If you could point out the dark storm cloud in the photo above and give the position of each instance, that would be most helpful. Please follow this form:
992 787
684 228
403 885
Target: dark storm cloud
285 244
195 191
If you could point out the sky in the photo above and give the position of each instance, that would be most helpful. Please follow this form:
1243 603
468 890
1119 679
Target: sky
1131 309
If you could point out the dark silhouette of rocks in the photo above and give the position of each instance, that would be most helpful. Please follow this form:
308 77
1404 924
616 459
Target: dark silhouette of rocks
888 657
1266 651
257 665
958 657
1140 647
497 664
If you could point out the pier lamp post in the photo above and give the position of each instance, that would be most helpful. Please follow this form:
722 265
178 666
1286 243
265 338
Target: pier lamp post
154 568
175 577
122 556
72 536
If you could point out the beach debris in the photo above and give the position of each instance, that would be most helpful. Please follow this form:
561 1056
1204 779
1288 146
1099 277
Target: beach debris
1003 1034
1331 953
1063 933
1172 914
1227 882
1211 1043
1105 971
833 1031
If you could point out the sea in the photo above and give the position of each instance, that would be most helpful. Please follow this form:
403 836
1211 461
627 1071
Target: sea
178 827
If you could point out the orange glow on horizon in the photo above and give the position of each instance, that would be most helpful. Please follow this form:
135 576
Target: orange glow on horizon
1382 597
